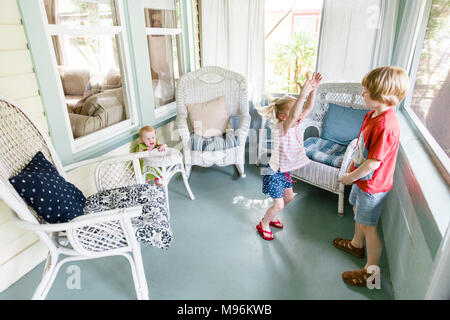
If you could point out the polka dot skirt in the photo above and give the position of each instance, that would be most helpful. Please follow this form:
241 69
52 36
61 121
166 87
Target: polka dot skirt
274 183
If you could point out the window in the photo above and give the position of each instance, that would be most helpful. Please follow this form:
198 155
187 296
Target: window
429 99
292 31
90 48
165 43
92 56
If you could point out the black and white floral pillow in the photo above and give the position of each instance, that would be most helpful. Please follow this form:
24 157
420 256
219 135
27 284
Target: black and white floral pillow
153 226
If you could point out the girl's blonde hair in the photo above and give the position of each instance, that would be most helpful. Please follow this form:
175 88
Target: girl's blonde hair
276 107
145 129
387 84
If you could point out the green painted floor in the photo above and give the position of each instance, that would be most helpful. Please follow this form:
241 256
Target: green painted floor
217 254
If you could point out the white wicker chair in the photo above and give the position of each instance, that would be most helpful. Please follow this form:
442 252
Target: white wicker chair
319 174
316 173
20 139
203 85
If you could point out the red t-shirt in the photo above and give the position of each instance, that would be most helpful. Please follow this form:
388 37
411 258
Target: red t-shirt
378 139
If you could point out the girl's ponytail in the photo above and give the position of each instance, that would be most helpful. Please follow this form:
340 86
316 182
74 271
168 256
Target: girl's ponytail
269 112
275 108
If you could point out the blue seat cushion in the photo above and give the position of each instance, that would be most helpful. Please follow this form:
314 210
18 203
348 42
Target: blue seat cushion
325 151
342 124
227 141
47 192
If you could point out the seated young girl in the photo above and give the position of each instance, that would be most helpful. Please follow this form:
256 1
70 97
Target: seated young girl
148 142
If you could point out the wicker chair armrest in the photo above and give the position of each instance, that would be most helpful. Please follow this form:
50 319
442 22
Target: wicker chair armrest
348 156
183 129
82 221
244 126
307 123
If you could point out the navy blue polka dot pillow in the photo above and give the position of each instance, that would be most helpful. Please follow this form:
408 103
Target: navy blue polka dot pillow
49 194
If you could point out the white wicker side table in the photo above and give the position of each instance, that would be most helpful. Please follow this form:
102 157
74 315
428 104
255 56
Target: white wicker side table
166 164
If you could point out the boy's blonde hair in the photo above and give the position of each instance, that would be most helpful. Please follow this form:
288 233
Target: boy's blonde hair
145 129
388 85
276 107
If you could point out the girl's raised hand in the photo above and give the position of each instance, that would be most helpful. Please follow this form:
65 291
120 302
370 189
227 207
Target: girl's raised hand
317 77
311 83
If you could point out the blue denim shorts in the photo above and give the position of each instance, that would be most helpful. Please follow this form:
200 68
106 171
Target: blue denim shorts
368 206
274 183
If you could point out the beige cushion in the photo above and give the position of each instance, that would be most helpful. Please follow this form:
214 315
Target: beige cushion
209 118
74 81
112 79
98 111
71 101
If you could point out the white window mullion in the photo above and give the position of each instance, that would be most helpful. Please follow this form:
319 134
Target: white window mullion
159 4
128 84
163 31
68 30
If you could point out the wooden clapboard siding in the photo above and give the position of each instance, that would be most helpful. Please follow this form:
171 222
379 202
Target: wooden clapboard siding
19 86
13 37
13 62
14 240
23 261
5 213
20 250
9 13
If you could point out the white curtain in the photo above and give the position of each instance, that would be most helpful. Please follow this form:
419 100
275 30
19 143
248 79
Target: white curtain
348 39
233 38
384 45
358 36
408 33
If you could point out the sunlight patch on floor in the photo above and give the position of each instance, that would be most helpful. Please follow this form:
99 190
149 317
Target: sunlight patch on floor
254 204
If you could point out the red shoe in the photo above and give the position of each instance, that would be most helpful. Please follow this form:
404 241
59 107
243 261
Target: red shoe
276 224
261 232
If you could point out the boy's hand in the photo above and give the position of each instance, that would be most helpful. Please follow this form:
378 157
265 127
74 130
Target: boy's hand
350 167
346 179
162 147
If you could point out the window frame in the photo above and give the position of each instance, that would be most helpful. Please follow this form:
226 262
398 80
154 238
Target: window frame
320 33
99 136
435 151
168 109
47 75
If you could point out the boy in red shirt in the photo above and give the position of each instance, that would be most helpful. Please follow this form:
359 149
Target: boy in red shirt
372 170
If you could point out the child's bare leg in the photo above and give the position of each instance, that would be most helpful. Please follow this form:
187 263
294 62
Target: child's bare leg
373 244
358 236
288 196
272 212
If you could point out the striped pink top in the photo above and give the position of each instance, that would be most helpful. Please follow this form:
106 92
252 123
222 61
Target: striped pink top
291 153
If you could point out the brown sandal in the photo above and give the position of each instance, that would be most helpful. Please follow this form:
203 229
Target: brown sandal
347 246
356 277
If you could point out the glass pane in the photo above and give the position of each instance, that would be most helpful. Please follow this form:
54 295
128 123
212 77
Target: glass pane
431 93
81 12
91 77
165 66
291 42
163 14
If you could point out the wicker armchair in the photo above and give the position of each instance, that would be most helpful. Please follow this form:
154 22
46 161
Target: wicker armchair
317 173
20 140
204 85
